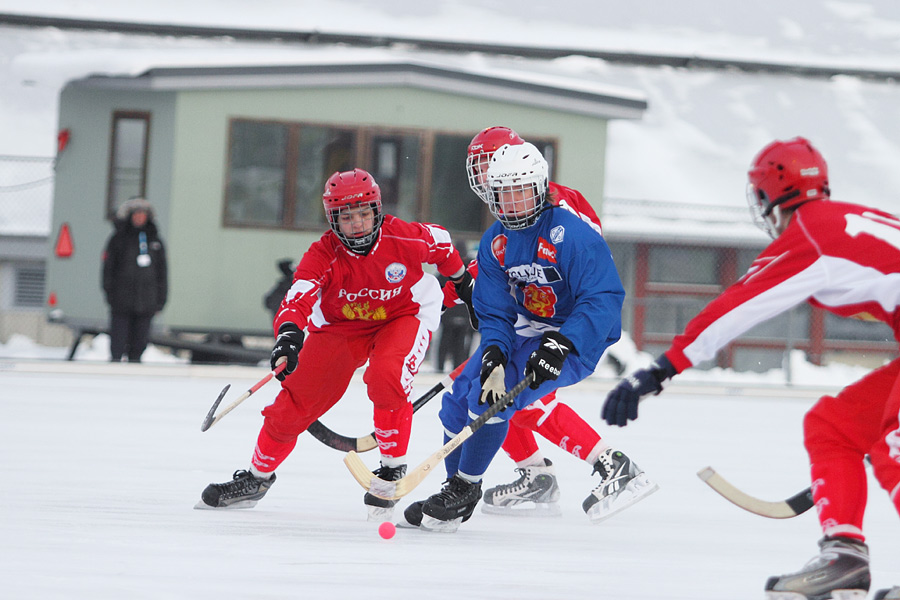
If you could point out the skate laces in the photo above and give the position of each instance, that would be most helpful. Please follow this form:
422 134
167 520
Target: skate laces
518 484
454 487
242 482
612 468
390 473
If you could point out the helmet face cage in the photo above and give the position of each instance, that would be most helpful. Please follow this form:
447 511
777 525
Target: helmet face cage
518 181
476 168
761 210
346 196
351 212
480 151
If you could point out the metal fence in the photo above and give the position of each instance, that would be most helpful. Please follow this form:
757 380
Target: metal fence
26 195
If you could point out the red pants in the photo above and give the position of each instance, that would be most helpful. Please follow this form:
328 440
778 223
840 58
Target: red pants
839 432
556 422
325 366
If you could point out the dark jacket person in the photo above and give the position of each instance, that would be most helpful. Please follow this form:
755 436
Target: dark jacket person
135 279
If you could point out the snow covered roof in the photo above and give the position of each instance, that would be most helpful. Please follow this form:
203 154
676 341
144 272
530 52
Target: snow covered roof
558 93
662 222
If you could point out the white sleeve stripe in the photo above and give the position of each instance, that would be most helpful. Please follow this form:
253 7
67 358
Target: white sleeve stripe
851 283
830 280
300 287
783 296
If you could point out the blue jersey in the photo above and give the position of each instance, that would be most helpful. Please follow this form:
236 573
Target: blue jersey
557 274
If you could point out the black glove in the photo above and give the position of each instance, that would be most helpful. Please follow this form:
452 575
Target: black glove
464 287
622 401
493 375
287 344
546 362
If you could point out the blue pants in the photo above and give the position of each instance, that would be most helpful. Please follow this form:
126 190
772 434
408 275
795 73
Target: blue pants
460 406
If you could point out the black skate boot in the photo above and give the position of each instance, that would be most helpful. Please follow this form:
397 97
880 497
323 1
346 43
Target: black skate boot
379 508
244 491
839 572
534 493
622 484
451 506
412 515
891 594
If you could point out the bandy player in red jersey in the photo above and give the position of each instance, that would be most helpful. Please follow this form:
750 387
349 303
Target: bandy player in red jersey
844 258
362 294
537 490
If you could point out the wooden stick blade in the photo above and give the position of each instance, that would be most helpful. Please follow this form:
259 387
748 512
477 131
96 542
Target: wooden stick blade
782 509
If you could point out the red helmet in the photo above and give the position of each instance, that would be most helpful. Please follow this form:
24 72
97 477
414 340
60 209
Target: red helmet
481 148
348 191
785 174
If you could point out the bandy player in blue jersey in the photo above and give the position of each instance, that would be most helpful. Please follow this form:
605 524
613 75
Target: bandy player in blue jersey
549 301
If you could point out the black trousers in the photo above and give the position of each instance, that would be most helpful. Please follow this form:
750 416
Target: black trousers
456 338
128 335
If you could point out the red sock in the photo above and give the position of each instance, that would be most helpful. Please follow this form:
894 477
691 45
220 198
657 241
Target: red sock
269 454
840 491
558 423
519 444
392 429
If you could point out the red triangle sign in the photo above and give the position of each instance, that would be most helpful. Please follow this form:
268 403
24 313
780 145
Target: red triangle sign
64 246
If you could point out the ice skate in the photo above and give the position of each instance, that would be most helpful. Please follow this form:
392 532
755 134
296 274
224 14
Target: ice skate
622 484
534 493
891 594
839 572
453 505
412 516
379 508
243 491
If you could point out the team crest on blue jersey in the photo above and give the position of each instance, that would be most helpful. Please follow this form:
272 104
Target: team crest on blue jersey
395 272
557 234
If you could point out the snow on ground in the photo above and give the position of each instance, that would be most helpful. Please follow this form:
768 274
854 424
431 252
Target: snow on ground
104 463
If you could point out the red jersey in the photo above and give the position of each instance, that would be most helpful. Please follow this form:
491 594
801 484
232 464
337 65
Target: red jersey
334 287
574 202
844 258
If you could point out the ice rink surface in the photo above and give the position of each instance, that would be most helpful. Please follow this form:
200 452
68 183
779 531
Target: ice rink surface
103 465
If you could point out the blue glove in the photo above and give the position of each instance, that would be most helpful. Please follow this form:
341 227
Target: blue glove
622 401
464 287
287 344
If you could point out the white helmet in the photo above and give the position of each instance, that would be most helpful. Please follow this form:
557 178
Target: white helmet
518 181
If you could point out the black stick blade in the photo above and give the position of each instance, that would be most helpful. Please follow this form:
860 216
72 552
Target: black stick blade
207 422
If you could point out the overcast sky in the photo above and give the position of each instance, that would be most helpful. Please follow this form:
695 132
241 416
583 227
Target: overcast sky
694 143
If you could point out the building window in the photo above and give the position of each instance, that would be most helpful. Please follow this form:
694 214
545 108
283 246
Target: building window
864 328
277 171
322 152
128 158
453 204
29 287
684 265
394 163
257 156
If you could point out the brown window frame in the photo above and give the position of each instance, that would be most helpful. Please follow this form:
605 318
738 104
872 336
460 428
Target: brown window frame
117 116
364 137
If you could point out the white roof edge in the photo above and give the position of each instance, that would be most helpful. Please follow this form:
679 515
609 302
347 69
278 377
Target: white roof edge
551 92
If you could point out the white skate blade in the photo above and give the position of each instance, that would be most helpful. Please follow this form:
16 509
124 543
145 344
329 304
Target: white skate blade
524 509
380 514
438 526
242 504
637 489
